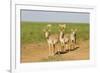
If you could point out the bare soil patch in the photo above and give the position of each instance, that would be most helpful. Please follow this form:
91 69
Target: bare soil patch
39 53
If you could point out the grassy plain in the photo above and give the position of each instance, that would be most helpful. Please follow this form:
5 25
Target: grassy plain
34 47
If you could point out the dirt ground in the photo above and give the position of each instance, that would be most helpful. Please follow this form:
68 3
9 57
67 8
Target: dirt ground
39 53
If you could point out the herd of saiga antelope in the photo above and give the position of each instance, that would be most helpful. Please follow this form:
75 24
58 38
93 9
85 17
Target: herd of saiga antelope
67 41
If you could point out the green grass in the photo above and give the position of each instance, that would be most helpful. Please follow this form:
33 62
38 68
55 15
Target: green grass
32 31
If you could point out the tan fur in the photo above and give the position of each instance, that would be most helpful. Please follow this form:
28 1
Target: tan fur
52 40
64 39
73 38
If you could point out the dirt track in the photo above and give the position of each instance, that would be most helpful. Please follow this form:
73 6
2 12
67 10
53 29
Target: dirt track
39 52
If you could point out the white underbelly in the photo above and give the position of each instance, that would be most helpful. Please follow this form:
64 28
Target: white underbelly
52 41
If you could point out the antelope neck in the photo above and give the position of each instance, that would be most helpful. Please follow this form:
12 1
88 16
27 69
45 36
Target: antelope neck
61 34
47 34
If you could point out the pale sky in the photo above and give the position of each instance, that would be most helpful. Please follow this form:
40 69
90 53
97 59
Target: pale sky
48 16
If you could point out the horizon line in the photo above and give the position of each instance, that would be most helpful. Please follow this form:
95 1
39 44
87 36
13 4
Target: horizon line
55 22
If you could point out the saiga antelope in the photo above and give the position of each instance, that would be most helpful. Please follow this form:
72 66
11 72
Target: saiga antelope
64 40
52 40
73 38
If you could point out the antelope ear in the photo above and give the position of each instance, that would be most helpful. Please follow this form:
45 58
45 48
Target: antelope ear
64 26
71 29
76 29
49 30
59 25
44 30
49 25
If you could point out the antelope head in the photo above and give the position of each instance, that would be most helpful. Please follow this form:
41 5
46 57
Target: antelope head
47 31
62 28
73 31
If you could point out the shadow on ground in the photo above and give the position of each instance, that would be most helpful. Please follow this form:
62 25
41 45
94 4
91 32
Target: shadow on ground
64 52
